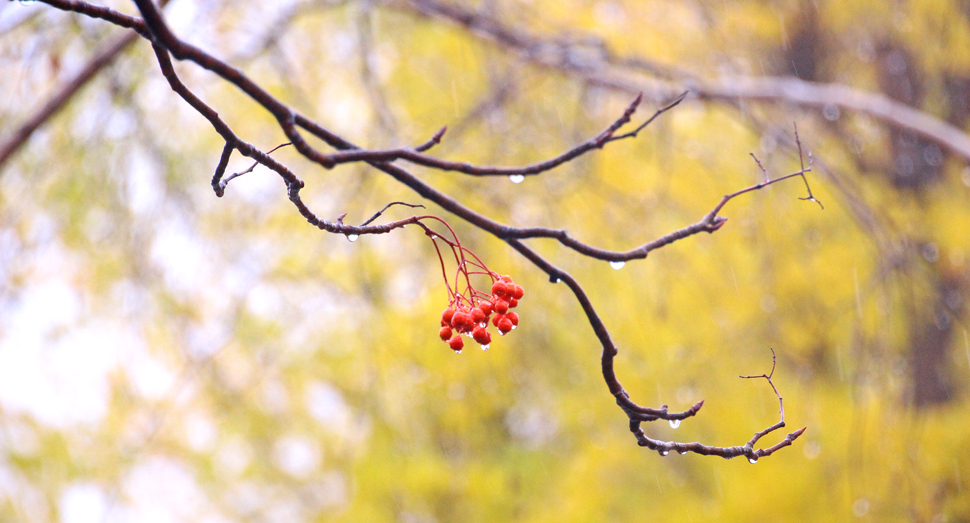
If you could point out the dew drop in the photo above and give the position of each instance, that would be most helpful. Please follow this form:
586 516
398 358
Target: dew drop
752 460
674 423
682 452
517 178
485 347
557 280
664 452
458 351
515 327
352 237
728 457
830 112
617 264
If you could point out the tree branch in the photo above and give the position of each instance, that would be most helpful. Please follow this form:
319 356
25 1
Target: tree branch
62 96
165 45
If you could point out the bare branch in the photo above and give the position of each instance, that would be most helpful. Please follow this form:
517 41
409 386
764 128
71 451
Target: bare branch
781 404
225 182
386 207
62 96
165 45
415 155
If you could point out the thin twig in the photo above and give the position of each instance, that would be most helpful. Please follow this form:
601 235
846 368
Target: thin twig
763 171
802 162
781 405
232 176
416 156
380 212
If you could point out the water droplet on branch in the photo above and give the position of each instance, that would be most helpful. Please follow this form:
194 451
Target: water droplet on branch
352 237
617 264
674 423
752 460
517 178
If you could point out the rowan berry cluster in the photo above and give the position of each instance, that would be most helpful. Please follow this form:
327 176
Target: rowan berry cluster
469 309
470 316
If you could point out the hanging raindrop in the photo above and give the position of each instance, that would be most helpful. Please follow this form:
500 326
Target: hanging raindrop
617 264
674 423
517 178
352 237
664 452
682 452
485 347
752 460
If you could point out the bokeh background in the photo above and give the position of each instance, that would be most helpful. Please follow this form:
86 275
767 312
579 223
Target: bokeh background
166 355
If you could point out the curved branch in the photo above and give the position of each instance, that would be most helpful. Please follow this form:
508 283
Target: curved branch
598 142
164 43
636 413
289 120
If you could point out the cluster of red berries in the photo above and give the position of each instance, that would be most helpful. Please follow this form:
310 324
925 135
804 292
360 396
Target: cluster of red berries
471 316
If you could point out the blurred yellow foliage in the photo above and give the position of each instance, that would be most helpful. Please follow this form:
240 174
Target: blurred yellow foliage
167 355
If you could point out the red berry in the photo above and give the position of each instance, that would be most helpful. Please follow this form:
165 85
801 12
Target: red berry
501 306
481 335
505 325
485 340
500 289
478 315
513 303
445 333
518 292
486 307
513 317
462 321
456 343
507 279
447 315
497 318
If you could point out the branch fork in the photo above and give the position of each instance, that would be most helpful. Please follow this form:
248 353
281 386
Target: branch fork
166 45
